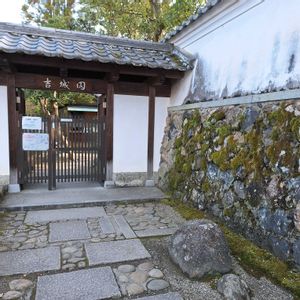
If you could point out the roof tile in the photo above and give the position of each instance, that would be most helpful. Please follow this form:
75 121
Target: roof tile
200 12
90 47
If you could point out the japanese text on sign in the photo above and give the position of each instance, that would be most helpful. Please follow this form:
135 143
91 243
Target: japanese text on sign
64 84
35 141
33 123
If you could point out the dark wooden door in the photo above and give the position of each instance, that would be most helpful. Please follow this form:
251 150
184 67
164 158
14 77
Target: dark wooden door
76 152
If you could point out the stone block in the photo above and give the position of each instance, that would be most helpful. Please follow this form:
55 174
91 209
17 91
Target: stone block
29 261
106 225
155 232
117 251
91 284
68 231
124 227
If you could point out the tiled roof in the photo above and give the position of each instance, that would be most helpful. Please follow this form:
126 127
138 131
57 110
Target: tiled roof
200 12
90 47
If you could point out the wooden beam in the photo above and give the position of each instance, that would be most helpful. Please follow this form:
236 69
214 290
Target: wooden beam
112 77
92 86
151 120
54 62
44 82
63 72
109 127
156 81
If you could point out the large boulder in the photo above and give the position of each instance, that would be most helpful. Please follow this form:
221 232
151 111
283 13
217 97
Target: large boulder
233 288
199 248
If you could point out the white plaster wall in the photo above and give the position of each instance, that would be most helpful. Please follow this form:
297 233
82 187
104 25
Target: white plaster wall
4 140
131 132
244 48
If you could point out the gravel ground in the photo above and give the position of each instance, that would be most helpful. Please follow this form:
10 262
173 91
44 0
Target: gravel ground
261 288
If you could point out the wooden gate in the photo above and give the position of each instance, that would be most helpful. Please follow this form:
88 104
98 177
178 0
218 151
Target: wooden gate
76 152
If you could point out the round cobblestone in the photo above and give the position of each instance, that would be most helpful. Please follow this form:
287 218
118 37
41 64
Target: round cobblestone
157 284
156 273
134 289
126 268
12 295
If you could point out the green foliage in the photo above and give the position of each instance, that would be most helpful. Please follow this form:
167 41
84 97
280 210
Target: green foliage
63 99
49 13
146 19
255 260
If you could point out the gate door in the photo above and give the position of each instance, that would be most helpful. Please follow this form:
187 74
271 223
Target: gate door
78 149
33 164
75 153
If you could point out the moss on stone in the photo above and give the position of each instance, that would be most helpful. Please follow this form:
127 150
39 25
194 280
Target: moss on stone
295 127
220 159
218 115
238 160
205 186
229 212
223 132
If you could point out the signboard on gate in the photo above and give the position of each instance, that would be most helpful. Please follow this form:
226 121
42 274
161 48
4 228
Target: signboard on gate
32 123
35 141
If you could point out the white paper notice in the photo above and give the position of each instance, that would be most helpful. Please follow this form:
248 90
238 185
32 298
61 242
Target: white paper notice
34 123
35 141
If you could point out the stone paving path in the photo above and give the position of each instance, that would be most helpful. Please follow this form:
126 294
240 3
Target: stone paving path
110 252
83 253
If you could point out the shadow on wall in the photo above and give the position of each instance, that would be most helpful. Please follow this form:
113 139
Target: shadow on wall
207 83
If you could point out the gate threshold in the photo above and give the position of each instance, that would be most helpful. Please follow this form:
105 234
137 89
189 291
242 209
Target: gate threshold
39 199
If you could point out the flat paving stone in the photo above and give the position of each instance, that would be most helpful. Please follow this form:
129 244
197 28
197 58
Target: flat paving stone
90 284
106 226
117 251
53 215
29 261
155 232
168 296
124 227
68 231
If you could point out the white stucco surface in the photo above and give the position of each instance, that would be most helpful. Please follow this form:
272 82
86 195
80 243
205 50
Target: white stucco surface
131 132
4 141
247 47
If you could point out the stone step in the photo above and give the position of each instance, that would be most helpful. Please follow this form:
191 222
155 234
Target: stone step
79 197
54 215
89 284
116 251
29 261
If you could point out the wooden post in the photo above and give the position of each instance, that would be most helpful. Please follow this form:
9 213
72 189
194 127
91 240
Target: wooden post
109 127
22 105
51 154
13 133
101 135
151 119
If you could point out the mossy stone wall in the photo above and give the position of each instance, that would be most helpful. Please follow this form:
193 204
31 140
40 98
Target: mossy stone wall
240 163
